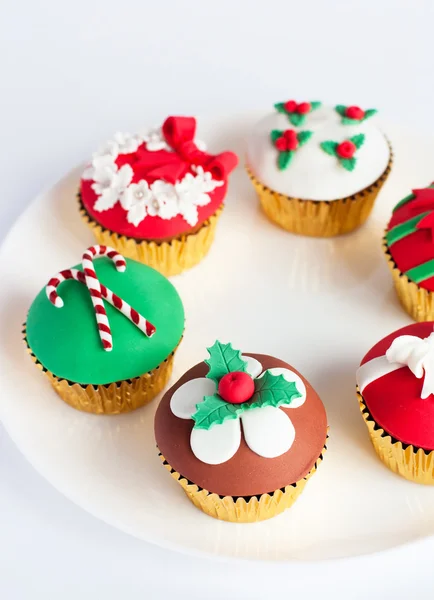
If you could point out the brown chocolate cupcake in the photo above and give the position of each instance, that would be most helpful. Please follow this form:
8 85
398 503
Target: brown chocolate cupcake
229 434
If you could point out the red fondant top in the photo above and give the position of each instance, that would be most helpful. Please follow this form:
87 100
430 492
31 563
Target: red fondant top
394 400
170 165
417 247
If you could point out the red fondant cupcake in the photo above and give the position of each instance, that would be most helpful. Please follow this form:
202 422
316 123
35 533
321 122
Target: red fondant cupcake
157 197
409 248
396 394
241 434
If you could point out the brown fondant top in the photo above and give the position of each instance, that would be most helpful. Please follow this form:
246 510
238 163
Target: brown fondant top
246 473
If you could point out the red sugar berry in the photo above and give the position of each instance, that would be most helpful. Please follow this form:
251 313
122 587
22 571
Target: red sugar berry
290 106
236 387
280 143
291 139
303 108
346 149
354 112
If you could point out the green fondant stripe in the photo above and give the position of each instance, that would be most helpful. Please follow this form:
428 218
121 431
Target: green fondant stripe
403 229
408 198
421 272
404 201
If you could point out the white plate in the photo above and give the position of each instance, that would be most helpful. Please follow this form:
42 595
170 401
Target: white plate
318 304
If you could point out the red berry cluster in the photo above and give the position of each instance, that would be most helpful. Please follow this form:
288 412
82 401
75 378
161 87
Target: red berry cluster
354 112
303 108
346 149
287 141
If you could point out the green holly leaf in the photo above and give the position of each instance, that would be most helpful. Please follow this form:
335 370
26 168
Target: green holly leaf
358 140
272 390
284 159
348 163
315 105
296 119
370 113
304 136
340 109
348 121
329 147
275 135
223 359
214 411
280 107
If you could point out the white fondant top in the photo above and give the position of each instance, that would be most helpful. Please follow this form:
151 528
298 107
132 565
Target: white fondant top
268 431
313 174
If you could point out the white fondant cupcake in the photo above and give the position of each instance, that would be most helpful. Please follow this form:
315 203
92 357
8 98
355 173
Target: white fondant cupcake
317 170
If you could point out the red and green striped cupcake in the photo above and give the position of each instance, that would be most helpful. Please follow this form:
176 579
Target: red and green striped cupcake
409 248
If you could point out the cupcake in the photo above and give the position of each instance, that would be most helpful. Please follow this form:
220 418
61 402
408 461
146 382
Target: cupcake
317 170
241 434
408 245
395 389
104 332
156 197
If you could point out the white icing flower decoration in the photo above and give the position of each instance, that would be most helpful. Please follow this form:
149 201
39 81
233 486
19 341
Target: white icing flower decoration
418 355
164 203
268 431
127 143
109 184
135 200
193 191
155 141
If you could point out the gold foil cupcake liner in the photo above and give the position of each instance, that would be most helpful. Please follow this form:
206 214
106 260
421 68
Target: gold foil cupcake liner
169 258
406 460
418 302
114 398
242 510
321 218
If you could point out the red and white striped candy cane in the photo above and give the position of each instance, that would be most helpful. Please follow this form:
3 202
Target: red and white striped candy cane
140 322
94 287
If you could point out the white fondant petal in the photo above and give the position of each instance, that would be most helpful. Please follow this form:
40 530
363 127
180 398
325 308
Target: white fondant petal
291 377
254 367
184 400
268 431
218 444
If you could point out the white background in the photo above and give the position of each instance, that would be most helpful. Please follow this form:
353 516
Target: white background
71 73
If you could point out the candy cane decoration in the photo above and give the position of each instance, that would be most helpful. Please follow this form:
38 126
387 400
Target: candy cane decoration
99 291
94 287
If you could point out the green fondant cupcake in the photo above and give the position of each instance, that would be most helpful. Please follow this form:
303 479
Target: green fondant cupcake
105 332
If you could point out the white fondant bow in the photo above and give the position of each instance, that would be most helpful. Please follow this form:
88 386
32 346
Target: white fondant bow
418 355
405 351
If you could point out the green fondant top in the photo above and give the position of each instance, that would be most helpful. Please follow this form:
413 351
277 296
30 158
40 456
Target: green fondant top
66 340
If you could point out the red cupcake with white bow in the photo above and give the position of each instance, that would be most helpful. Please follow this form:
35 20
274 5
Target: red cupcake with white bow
156 197
396 393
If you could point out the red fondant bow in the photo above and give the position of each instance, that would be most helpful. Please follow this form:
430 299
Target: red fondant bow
179 133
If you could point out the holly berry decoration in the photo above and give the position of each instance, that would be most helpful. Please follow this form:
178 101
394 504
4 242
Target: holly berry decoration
296 112
345 151
236 387
236 390
287 142
353 115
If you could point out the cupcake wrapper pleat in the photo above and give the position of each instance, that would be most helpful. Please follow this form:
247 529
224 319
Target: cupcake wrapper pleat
418 302
406 460
170 258
242 510
321 218
114 398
